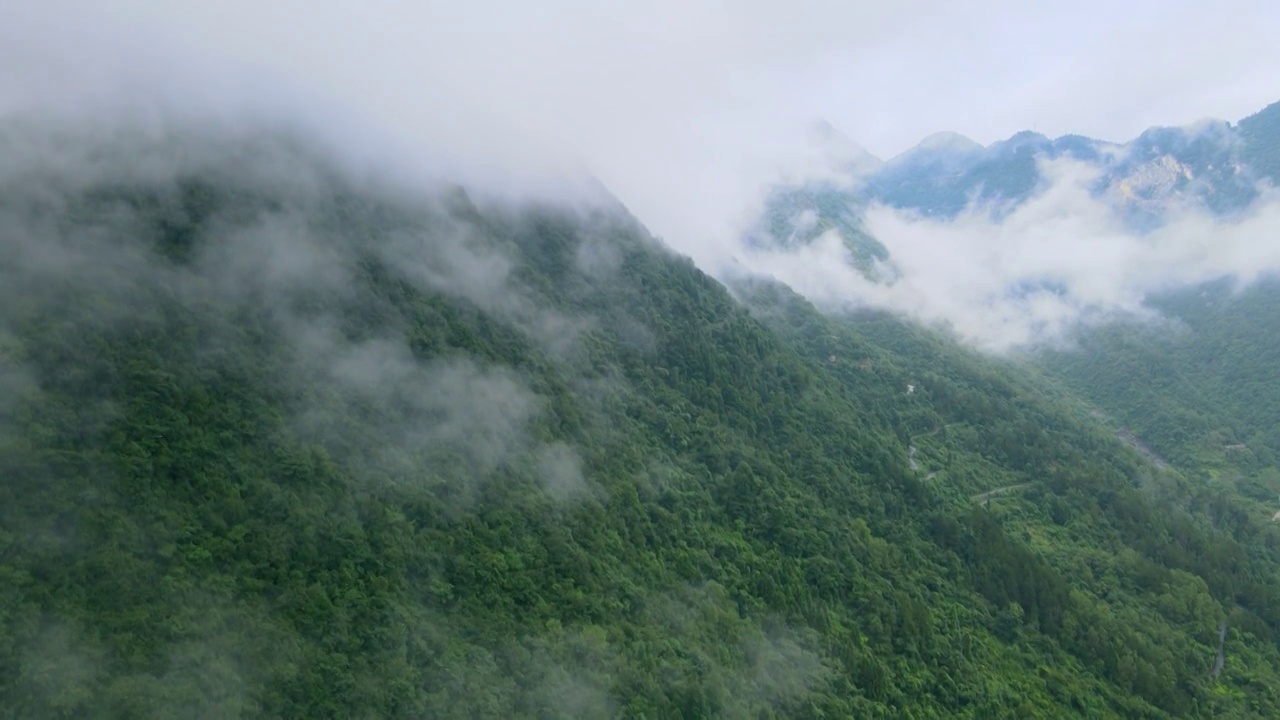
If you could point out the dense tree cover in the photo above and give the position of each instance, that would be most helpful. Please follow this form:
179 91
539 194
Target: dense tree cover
1261 135
278 442
1198 388
1200 391
1074 499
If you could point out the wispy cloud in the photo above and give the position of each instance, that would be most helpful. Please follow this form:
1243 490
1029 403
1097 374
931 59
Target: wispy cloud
1064 257
689 111
685 110
271 237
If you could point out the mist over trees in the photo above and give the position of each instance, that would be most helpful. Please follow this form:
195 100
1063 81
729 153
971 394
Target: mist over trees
279 439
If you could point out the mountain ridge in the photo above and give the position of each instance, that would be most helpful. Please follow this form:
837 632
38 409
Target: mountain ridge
1212 149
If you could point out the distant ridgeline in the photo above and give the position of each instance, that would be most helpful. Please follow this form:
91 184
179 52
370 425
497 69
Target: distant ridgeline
1210 164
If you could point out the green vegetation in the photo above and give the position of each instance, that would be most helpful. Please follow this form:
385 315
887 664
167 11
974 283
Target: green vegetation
1200 392
1198 389
1261 135
278 443
795 217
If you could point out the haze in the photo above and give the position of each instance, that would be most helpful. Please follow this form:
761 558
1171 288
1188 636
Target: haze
685 110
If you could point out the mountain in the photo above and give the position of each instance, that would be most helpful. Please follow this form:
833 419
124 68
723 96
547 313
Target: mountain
1210 164
283 439
1205 162
1260 134
844 154
1187 384
799 216
1202 396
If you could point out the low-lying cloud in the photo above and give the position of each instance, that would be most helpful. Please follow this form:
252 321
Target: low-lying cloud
688 112
1062 258
685 110
244 232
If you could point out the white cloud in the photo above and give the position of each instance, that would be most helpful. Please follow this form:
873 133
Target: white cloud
685 109
1063 257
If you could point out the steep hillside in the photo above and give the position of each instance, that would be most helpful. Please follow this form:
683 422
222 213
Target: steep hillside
281 441
1261 135
1014 442
1201 389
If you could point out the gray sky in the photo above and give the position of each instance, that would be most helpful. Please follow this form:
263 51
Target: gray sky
887 73
686 109
706 96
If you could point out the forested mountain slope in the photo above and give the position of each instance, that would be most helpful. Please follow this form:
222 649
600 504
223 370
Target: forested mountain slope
277 440
1199 390
989 420
1198 386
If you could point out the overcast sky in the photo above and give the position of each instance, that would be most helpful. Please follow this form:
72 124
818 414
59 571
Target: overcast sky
686 109
887 73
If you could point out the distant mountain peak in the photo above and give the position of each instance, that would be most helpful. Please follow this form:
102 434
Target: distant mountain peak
842 150
947 142
1209 164
1207 125
1027 137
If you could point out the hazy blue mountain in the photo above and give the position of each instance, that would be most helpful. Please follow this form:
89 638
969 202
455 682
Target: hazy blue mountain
843 153
1205 163
1260 133
1210 164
